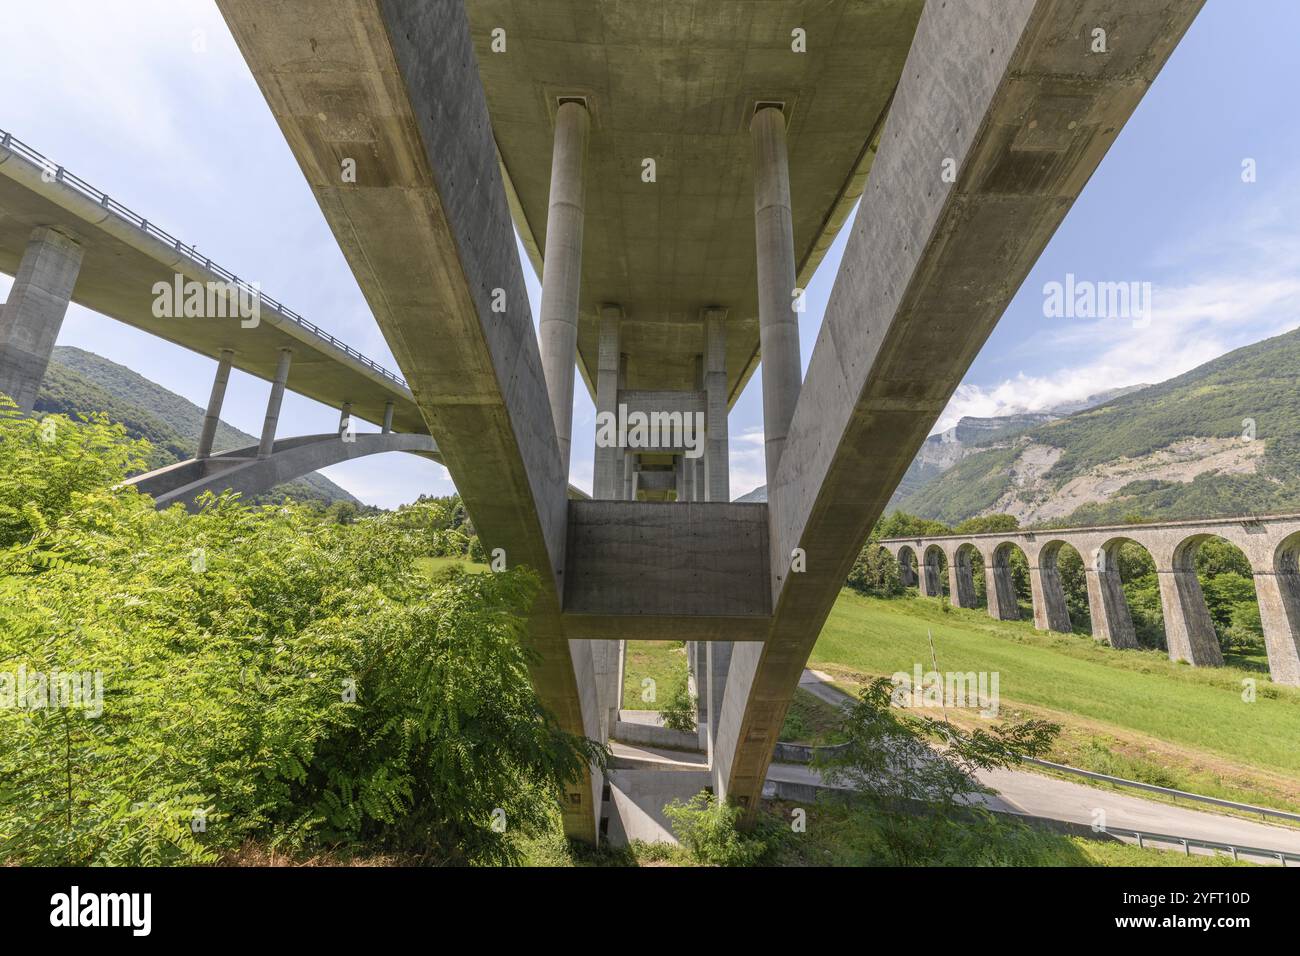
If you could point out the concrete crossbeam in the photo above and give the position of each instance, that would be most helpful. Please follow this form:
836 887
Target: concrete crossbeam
647 560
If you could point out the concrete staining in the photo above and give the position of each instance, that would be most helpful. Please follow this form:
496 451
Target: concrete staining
1271 545
617 136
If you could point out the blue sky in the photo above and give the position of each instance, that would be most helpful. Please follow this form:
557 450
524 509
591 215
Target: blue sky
150 101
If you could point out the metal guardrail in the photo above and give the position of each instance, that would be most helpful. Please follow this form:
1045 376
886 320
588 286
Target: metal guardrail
1143 838
1167 791
16 146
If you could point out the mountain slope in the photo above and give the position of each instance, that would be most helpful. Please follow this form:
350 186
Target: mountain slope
1182 448
944 450
81 383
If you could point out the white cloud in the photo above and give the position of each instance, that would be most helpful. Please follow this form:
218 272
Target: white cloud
1191 323
747 460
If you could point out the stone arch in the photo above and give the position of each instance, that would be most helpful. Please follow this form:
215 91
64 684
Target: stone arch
1112 620
1277 586
908 566
999 581
961 574
1051 606
934 571
241 469
1189 630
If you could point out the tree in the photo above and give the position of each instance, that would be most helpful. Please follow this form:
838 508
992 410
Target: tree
917 773
265 671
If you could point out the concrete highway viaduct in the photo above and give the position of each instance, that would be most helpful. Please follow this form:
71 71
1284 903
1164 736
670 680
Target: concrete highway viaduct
1270 543
676 171
64 240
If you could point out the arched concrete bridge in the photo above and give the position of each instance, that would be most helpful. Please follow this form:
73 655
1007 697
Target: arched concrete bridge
241 470
679 223
66 241
1271 545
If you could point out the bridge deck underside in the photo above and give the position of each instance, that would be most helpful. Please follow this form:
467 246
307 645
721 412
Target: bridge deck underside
676 83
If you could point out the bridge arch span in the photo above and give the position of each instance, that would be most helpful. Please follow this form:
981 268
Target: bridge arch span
961 574
934 566
241 469
999 580
1051 609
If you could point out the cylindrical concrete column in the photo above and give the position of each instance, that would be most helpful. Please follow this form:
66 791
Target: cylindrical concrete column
273 404
388 417
562 267
608 479
212 417
778 323
345 418
31 318
717 468
698 492
629 493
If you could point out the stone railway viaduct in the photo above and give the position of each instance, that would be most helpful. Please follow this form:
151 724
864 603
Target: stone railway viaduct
1271 545
676 171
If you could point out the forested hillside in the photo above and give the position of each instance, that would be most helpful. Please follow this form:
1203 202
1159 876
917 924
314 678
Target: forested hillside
82 383
1223 438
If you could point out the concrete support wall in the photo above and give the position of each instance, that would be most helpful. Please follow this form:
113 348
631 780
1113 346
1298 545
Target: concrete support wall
212 417
717 468
428 233
562 269
608 468
273 404
1189 631
33 315
778 323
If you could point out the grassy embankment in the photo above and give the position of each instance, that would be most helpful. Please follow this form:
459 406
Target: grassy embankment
1131 714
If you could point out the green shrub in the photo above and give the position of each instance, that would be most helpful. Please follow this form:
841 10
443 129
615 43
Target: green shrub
266 673
680 711
710 831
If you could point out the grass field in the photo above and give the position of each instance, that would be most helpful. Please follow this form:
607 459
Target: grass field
1129 713
664 662
434 566
840 834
